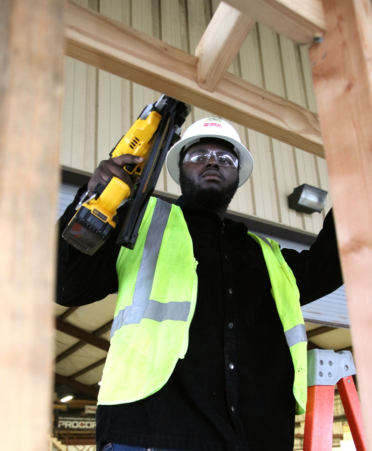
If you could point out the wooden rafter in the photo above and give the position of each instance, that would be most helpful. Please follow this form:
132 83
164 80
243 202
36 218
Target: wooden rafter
301 21
82 335
311 345
67 313
79 403
343 85
69 351
72 383
74 439
318 331
87 369
339 436
121 50
220 44
72 349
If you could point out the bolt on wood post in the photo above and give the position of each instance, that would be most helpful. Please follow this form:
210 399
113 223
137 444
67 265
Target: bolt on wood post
31 79
342 75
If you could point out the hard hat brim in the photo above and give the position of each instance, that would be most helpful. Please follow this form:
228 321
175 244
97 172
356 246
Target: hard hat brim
245 158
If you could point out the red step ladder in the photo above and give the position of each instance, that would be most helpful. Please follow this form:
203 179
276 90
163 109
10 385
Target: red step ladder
327 368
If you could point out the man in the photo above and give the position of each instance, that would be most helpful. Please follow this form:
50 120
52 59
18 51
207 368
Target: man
208 349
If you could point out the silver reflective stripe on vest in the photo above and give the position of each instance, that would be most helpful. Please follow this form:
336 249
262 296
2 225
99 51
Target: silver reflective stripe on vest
296 335
265 240
143 306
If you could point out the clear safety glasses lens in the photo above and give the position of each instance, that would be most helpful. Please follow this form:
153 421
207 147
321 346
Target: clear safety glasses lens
202 156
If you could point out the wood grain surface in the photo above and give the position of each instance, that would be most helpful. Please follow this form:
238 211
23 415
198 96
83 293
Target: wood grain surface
343 85
220 44
300 21
128 53
31 79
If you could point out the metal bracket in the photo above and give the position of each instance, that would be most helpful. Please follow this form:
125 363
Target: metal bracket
84 199
327 367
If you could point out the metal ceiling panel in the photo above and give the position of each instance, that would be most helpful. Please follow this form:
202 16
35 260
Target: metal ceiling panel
330 310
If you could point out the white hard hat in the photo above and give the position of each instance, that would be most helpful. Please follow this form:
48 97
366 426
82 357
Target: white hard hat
211 127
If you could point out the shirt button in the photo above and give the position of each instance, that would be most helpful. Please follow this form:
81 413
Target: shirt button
231 325
232 408
231 366
230 290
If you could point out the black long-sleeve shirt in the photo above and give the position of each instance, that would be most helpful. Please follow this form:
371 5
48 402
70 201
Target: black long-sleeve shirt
233 389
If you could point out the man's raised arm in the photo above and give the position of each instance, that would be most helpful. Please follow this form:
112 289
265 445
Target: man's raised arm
84 279
317 270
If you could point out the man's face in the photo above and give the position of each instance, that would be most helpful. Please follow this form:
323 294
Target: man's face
209 181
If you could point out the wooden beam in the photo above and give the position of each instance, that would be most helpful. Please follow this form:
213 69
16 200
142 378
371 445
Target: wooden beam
311 346
77 441
78 386
301 21
301 436
343 85
88 368
69 351
31 86
220 44
97 333
82 335
319 331
336 418
115 48
67 313
78 403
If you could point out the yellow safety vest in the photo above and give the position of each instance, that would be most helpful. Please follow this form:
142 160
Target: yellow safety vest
156 303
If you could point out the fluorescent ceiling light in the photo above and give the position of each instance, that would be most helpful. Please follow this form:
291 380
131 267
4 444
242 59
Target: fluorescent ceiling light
67 398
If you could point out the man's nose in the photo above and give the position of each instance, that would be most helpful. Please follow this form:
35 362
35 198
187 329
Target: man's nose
213 161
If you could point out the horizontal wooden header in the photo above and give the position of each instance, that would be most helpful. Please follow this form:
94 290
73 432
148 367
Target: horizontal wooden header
123 51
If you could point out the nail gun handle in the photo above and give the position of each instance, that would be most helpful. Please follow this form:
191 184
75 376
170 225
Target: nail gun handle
111 196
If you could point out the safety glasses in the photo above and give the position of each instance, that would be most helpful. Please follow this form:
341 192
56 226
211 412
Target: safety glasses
200 156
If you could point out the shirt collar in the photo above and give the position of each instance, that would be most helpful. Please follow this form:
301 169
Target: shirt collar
186 202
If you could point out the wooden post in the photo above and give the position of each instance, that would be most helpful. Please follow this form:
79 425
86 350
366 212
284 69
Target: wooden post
31 77
342 74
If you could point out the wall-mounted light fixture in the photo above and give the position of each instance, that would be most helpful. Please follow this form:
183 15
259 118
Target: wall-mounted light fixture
307 199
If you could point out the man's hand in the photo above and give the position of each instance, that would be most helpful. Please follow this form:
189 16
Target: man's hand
113 168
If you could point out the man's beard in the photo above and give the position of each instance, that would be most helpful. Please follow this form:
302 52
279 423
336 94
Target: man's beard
211 198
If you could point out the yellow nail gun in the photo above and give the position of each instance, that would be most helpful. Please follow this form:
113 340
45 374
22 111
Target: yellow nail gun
157 128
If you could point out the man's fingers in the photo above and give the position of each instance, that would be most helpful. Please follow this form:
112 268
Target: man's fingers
127 158
114 168
95 180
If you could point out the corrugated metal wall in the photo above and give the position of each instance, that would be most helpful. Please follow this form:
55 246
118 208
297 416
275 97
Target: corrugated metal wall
100 107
